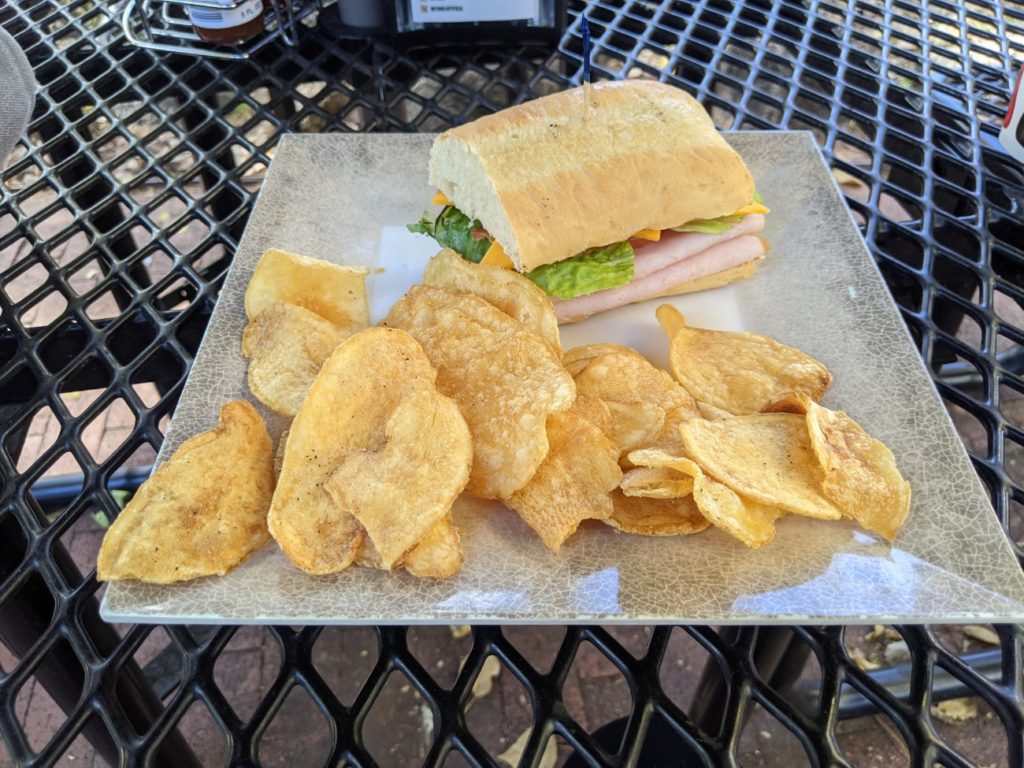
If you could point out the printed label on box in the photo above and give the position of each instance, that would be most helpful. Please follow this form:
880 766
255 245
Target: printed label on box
473 10
227 17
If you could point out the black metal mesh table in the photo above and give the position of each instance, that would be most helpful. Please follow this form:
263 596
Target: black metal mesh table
139 174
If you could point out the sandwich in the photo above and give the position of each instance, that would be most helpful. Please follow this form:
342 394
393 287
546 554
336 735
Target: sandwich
603 196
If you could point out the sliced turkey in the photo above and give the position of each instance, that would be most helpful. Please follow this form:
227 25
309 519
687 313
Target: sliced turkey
726 254
675 246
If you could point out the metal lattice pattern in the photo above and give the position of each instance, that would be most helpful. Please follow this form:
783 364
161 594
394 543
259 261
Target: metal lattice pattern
122 209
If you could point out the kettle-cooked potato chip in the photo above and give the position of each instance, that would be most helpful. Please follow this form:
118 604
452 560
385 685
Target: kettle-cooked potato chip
594 410
861 476
202 512
505 378
788 402
286 345
711 413
282 441
656 483
578 358
437 556
573 482
860 472
738 372
506 289
655 517
333 291
401 489
345 412
634 424
749 521
764 457
669 439
637 394
623 375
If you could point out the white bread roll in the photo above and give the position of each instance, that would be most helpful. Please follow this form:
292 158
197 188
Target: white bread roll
574 170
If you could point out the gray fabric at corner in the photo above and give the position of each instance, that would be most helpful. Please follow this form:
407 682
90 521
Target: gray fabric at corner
17 94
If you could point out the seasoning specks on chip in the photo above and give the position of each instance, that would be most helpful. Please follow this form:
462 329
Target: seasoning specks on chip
202 512
738 372
465 389
505 378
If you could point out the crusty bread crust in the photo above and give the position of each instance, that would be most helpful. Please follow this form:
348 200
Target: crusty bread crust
588 167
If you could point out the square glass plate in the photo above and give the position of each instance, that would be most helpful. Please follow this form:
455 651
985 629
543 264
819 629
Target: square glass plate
347 198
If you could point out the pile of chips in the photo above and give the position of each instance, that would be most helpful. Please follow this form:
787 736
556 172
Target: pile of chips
464 388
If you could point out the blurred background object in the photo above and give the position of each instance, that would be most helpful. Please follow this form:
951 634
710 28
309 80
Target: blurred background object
1012 135
17 94
238 29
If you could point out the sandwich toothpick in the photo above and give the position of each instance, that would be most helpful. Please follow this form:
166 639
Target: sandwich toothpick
585 29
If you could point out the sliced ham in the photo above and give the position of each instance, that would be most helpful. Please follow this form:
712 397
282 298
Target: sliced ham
675 246
732 252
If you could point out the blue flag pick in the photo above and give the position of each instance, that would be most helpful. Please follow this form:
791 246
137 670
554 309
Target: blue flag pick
585 27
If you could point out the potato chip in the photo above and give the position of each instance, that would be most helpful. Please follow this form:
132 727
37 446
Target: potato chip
573 482
656 483
860 473
506 289
282 441
655 517
594 410
749 521
654 458
400 490
202 512
634 424
345 412
505 378
668 439
286 345
790 402
764 457
637 394
711 413
333 291
624 376
437 556
738 372
578 358
861 476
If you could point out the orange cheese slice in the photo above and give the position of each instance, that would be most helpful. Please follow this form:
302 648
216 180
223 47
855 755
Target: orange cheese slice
654 235
496 257
746 210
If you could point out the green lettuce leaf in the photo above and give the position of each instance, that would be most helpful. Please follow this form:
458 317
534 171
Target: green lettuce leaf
593 270
710 226
425 226
454 229
715 226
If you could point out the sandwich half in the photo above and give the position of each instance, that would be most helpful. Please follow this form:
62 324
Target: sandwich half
602 195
